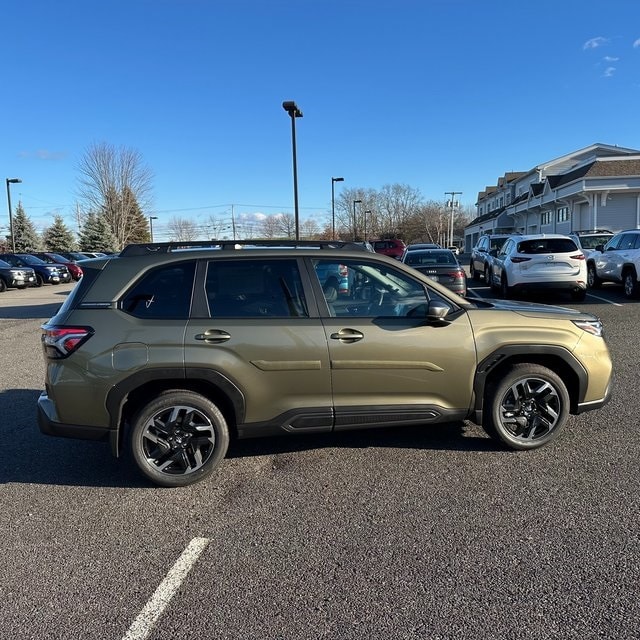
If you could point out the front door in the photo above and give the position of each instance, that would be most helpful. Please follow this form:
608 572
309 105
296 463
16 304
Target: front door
388 363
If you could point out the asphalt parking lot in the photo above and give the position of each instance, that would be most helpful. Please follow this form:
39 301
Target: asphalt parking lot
405 533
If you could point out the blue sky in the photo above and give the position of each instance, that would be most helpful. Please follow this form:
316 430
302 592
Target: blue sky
439 95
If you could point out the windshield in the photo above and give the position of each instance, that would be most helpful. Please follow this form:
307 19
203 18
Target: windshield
57 258
32 260
591 242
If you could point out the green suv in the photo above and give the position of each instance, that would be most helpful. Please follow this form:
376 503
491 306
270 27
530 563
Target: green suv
171 349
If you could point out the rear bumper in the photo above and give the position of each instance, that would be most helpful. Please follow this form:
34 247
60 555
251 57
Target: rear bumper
559 285
50 425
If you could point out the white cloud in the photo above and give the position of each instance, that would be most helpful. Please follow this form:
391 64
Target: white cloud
43 154
610 59
594 43
636 44
609 71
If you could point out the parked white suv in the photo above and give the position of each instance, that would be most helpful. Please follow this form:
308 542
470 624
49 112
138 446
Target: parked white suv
617 261
539 262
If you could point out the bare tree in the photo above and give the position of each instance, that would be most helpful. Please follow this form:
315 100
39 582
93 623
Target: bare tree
309 229
114 182
270 227
182 229
287 225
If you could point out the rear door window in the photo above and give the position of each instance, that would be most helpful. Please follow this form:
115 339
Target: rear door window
255 289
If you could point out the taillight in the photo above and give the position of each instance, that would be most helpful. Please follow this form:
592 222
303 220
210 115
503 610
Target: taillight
343 270
579 256
456 275
517 259
61 342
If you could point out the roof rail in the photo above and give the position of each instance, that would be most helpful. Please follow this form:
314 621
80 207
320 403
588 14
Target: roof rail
169 247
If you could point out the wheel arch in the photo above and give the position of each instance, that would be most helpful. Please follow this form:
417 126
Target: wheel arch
555 358
128 396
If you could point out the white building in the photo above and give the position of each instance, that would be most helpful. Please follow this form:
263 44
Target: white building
597 187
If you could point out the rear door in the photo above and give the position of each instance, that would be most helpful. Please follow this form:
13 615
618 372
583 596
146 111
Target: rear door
251 325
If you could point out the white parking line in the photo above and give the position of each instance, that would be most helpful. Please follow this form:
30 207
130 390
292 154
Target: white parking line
143 624
615 304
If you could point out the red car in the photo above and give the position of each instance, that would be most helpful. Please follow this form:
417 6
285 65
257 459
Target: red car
391 248
74 269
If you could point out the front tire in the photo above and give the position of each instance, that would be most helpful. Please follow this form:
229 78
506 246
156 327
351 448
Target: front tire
505 289
487 276
593 282
39 281
179 438
3 286
527 407
630 282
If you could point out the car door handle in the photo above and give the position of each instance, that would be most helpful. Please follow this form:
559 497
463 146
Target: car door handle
347 335
213 336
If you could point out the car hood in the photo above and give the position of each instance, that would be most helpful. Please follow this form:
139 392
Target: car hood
537 309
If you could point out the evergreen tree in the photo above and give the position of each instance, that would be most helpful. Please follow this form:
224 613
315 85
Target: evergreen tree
96 235
26 237
58 237
137 223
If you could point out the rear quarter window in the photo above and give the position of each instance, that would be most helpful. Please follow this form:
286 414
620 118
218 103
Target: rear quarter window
164 292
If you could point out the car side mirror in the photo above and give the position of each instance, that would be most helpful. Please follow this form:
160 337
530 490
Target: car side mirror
600 248
437 311
493 253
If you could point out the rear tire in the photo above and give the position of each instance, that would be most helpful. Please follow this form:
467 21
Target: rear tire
526 407
39 281
179 438
578 295
3 286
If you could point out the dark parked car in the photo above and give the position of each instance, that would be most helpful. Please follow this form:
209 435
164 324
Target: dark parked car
15 277
439 265
45 273
73 256
55 258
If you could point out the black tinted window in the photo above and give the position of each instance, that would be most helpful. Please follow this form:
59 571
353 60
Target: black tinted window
162 293
547 245
255 288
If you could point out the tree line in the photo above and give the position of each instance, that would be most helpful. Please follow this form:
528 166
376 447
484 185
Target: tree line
114 189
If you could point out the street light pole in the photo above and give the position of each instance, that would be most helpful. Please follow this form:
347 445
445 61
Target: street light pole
365 223
13 240
151 219
333 206
354 217
453 195
292 109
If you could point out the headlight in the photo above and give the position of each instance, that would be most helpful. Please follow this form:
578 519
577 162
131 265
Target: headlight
594 327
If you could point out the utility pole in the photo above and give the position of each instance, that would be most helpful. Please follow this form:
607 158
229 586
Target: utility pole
452 203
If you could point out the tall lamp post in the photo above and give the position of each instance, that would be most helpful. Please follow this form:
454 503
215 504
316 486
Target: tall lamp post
13 240
368 211
151 219
333 206
292 109
355 202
